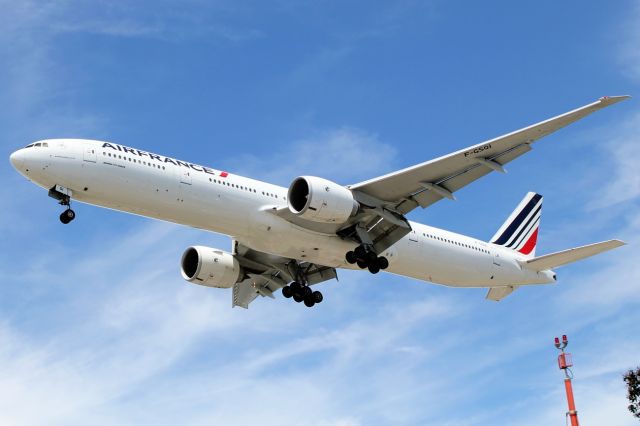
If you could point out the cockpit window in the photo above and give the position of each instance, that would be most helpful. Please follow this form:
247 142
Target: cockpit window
41 144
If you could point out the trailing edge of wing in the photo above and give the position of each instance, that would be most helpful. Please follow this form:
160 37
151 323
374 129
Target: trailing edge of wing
553 260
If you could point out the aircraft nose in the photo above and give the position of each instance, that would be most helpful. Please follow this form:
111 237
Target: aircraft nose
17 158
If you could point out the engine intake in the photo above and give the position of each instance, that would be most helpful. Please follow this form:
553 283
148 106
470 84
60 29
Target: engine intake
210 267
321 200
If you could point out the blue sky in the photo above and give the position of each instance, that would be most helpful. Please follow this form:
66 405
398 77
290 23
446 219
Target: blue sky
97 326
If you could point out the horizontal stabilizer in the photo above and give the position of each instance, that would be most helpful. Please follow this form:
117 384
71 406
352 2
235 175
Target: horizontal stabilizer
553 260
499 293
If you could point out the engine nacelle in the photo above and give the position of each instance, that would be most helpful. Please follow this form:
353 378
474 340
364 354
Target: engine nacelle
210 267
321 200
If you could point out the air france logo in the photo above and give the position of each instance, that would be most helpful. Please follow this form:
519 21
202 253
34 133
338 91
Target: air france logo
162 159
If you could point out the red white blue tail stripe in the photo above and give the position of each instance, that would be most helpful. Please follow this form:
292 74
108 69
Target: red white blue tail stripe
520 231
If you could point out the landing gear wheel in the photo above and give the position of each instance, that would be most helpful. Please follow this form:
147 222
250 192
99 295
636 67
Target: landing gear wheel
317 297
374 268
383 263
372 258
287 292
360 253
309 301
67 216
361 264
306 292
295 286
351 257
298 297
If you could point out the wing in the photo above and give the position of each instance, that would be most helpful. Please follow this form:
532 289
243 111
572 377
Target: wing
265 273
426 183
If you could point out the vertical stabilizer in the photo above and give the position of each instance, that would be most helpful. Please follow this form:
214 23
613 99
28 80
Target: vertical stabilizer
520 231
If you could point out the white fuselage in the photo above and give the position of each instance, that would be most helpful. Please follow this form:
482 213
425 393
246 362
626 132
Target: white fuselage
139 182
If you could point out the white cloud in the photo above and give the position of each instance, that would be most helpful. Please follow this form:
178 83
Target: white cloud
344 155
629 43
114 348
623 182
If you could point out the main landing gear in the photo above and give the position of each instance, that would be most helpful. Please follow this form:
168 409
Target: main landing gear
365 257
302 293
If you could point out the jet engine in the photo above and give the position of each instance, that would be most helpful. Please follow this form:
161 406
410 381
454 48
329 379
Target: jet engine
210 267
321 200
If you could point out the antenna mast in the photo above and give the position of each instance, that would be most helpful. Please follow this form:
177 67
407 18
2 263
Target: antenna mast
564 362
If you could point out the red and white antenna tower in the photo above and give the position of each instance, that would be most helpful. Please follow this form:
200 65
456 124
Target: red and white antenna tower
564 362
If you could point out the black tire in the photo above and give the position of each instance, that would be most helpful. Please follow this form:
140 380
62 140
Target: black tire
295 286
306 292
317 297
361 264
309 302
383 262
372 258
298 297
287 292
64 219
360 253
374 268
350 257
70 214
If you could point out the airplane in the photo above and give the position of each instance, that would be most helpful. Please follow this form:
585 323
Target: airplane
289 239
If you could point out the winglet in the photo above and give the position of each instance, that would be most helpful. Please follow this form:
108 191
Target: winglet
610 100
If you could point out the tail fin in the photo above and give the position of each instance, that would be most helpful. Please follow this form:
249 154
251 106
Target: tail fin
520 231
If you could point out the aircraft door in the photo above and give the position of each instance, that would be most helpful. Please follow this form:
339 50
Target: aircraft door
497 262
185 176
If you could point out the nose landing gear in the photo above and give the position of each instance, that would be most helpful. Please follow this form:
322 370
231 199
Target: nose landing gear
63 195
365 257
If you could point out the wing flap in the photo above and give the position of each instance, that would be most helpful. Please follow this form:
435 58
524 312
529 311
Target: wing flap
244 293
498 293
554 260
